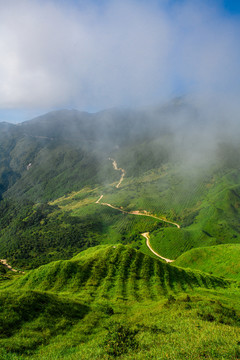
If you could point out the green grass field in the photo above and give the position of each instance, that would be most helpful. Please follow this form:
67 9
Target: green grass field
220 260
114 301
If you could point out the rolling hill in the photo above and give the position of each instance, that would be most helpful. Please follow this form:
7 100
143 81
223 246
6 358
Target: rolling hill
220 260
107 300
114 272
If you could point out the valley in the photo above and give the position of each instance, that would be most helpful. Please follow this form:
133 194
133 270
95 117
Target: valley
136 212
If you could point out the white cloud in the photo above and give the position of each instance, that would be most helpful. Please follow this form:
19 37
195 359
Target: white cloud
126 52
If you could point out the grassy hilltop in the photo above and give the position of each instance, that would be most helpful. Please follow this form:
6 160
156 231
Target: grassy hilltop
113 301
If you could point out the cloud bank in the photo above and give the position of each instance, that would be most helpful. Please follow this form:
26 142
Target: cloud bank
120 53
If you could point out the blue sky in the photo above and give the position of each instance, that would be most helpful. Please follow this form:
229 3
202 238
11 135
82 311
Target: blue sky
93 55
232 6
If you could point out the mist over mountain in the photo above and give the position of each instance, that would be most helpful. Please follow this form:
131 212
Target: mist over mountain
69 147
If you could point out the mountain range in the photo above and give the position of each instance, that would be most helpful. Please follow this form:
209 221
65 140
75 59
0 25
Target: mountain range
91 205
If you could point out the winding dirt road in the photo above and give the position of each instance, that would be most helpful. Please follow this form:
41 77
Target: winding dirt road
4 262
118 169
146 235
137 212
97 202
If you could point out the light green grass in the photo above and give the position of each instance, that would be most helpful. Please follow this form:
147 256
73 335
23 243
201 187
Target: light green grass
115 299
220 260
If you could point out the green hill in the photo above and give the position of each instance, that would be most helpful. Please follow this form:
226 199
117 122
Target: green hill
115 272
114 301
220 260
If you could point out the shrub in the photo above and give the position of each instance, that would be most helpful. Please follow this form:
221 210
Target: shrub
120 339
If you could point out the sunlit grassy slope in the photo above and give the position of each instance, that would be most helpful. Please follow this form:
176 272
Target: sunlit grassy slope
114 301
114 272
206 207
220 260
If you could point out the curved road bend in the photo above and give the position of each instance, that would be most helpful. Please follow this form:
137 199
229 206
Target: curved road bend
147 237
137 212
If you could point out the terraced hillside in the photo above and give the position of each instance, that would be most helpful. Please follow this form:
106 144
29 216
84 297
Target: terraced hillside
114 301
115 272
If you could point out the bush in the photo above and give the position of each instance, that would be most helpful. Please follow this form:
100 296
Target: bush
120 339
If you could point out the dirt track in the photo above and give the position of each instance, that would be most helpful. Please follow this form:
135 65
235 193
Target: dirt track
97 202
147 237
118 169
4 262
137 212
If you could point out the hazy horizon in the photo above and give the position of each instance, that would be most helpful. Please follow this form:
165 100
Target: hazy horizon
91 56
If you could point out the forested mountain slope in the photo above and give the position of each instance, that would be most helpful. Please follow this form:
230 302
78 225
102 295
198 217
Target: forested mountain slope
55 167
40 157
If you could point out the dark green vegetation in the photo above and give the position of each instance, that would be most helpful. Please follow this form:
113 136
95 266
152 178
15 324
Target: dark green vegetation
39 316
57 236
92 289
